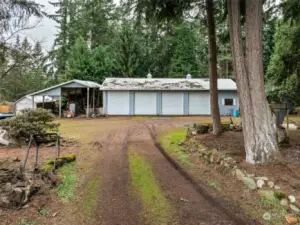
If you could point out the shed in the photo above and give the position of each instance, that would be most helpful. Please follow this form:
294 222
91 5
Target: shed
26 103
73 97
166 96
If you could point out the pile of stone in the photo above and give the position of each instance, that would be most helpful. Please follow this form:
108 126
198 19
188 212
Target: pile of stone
213 156
206 128
267 190
16 188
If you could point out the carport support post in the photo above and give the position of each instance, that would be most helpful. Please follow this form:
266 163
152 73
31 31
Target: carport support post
87 102
93 100
32 102
43 102
59 106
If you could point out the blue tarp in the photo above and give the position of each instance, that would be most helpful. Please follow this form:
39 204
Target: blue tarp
5 115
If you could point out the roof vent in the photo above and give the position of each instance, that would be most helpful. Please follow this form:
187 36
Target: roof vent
188 76
149 76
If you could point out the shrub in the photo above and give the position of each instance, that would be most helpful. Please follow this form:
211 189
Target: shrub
297 110
30 122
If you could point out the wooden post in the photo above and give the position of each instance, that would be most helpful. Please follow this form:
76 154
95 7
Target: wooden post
94 100
87 103
36 155
32 102
60 106
57 145
287 123
27 152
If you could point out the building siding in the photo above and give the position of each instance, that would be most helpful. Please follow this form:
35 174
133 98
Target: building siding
131 103
228 110
159 103
224 110
186 103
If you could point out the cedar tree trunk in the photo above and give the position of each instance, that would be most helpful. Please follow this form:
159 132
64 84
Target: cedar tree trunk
258 124
213 76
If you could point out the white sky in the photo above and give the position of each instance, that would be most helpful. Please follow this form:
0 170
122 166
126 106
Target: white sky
46 30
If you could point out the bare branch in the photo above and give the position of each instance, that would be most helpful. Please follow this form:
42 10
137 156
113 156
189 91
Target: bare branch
22 29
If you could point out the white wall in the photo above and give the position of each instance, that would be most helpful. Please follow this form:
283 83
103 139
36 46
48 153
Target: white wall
25 103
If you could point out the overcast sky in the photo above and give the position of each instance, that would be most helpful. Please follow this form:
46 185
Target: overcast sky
45 31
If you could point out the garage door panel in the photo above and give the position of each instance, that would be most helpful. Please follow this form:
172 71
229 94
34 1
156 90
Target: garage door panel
118 103
199 103
172 103
145 103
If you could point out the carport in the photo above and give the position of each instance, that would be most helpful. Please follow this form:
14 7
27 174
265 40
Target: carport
77 96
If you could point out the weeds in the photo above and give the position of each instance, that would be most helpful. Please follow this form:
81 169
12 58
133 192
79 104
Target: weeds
156 208
69 180
44 212
169 142
90 198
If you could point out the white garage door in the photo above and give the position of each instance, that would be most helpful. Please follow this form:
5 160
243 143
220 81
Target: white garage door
145 103
118 103
199 103
172 103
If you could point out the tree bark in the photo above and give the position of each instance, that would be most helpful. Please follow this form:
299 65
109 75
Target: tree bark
258 125
213 76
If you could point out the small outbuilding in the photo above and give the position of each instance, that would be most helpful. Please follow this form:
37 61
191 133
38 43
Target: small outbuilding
26 103
166 96
72 98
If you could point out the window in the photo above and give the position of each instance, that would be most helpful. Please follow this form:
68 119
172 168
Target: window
228 101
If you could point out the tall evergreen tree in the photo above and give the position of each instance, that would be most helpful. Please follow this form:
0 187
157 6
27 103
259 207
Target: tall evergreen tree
184 59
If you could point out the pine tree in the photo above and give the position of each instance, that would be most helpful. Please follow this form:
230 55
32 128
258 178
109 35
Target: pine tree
127 51
184 59
79 61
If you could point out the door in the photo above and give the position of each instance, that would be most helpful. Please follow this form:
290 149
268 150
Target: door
172 103
118 103
145 103
199 103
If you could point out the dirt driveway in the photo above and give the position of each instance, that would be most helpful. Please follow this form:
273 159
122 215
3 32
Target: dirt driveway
119 205
138 185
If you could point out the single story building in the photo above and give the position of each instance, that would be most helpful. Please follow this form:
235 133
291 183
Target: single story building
26 103
71 98
166 96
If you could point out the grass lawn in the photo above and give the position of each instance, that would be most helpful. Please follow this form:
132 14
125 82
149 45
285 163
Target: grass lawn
169 142
69 180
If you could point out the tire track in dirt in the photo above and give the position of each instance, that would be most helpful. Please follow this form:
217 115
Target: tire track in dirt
176 183
116 206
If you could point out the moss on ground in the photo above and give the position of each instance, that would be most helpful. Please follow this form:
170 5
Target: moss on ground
156 208
91 196
69 180
169 142
58 162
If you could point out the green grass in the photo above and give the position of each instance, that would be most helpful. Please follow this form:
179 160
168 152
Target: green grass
90 198
169 142
156 208
45 212
69 180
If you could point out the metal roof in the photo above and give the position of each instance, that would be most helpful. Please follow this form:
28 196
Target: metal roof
37 99
164 84
84 83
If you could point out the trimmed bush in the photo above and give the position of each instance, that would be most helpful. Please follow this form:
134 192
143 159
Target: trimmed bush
30 122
